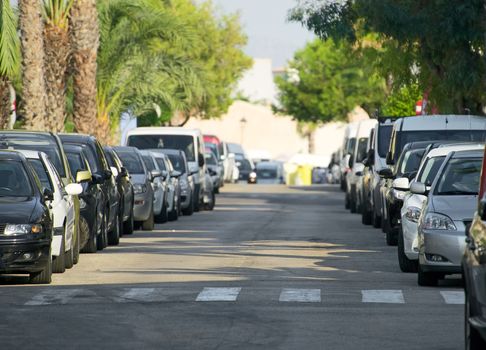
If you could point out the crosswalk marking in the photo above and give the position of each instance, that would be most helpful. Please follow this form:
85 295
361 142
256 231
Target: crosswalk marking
382 296
137 294
300 295
219 294
453 297
53 296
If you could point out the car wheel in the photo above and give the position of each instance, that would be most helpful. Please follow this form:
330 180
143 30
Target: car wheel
102 239
390 236
366 216
406 265
212 202
376 220
352 202
174 214
58 263
473 340
76 248
44 276
427 279
190 208
346 201
128 226
114 234
197 201
92 244
148 225
164 215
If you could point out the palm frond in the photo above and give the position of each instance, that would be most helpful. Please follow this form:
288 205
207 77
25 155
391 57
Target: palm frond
9 42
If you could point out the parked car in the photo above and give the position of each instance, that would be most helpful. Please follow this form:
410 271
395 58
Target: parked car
355 163
215 170
125 190
217 165
108 217
62 209
186 184
174 190
349 145
143 212
25 221
160 185
270 173
474 274
208 192
442 224
412 204
229 162
51 145
187 140
246 169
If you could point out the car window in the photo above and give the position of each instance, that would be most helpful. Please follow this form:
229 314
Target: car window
131 162
149 162
410 162
91 156
101 156
460 177
362 147
110 159
14 181
161 163
57 179
177 163
384 137
184 143
266 173
76 162
41 172
430 169
210 159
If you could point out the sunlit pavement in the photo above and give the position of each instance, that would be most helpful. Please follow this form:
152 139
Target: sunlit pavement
270 268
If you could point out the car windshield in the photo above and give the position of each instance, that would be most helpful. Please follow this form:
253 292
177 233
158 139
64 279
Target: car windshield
436 135
131 162
410 162
266 173
213 148
181 142
161 163
210 159
14 181
460 177
76 162
36 142
430 169
384 136
41 173
177 163
149 162
362 145
350 146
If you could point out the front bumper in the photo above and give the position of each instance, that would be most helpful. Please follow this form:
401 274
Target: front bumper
25 257
142 207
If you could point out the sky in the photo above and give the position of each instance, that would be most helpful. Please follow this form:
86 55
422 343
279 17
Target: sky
270 35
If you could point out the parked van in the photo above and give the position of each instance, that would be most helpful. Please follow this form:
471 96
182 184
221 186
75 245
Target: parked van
190 141
348 147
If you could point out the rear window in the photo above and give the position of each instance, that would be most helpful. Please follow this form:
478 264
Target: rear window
131 162
184 143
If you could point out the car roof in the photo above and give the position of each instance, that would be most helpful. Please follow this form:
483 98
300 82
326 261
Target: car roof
77 137
171 130
11 155
469 154
442 122
444 151
30 154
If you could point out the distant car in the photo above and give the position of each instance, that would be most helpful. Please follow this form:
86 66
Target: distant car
160 186
215 170
173 187
474 273
25 220
143 209
62 209
125 190
246 169
270 173
446 214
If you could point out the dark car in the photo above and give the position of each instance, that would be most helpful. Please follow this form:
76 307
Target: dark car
246 169
270 173
125 189
108 215
474 272
25 222
51 145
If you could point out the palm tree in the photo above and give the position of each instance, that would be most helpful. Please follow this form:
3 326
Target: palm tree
84 36
57 51
32 46
9 58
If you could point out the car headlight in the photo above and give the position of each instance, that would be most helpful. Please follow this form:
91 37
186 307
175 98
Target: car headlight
82 203
435 221
22 229
253 175
413 214
139 188
399 194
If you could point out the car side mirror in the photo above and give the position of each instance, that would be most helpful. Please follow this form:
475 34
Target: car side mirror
175 173
83 176
401 184
123 172
48 194
114 171
223 157
386 173
107 174
201 160
74 189
389 159
155 174
418 188
97 179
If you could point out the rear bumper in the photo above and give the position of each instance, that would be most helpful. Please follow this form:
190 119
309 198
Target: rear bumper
25 257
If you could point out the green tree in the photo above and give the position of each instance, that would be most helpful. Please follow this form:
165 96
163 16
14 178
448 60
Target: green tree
401 103
327 80
440 44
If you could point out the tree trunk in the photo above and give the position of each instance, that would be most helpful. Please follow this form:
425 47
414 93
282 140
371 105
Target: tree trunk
56 41
33 81
4 103
84 44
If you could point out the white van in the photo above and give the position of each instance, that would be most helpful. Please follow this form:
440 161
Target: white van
190 141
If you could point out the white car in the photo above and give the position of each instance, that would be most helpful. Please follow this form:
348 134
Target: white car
61 208
412 203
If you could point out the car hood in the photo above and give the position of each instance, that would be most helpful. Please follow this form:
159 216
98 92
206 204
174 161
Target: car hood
455 207
17 210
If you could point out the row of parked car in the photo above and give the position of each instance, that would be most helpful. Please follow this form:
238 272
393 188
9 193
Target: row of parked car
422 180
62 194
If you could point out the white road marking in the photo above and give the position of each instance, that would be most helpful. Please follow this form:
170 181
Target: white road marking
53 296
136 294
219 294
382 296
453 297
300 295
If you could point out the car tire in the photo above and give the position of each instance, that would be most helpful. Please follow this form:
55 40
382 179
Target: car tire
352 203
102 239
427 279
406 265
197 201
129 225
174 214
472 338
148 225
164 214
76 248
58 263
44 276
190 208
376 220
114 234
390 236
346 201
366 216
212 202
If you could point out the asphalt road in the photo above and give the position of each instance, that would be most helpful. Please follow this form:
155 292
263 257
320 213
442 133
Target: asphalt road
270 268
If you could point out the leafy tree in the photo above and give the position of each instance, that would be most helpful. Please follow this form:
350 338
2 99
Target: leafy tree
402 102
327 80
439 43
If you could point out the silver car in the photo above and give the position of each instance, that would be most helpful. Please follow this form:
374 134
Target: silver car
160 186
143 206
446 214
172 181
